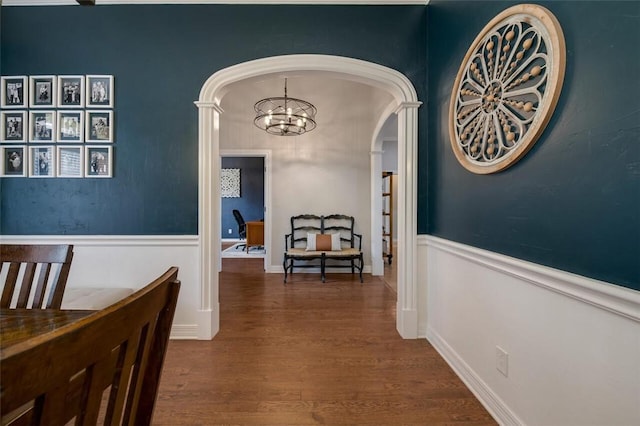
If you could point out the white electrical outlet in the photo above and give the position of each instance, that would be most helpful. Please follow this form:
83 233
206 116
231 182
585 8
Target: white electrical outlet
502 361
230 231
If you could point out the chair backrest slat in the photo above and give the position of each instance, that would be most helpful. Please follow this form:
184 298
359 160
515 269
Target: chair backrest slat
41 286
27 284
9 284
121 348
44 266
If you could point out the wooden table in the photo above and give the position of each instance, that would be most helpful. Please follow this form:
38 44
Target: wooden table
255 234
18 325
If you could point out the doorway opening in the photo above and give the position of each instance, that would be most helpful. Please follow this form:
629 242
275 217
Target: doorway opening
253 201
405 105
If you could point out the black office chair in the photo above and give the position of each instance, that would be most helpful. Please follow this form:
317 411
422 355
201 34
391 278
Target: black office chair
242 227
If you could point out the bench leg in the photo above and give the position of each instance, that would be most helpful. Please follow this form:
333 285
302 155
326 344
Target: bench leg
285 266
322 266
361 266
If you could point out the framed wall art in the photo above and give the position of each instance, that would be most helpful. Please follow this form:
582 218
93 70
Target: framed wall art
14 91
42 91
42 125
42 162
71 91
99 91
14 160
99 126
98 161
507 88
70 161
70 126
13 126
230 183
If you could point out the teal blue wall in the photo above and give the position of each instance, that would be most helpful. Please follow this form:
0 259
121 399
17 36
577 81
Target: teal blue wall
160 56
573 202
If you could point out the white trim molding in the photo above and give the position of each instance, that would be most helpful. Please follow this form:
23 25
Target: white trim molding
104 240
406 104
618 300
489 399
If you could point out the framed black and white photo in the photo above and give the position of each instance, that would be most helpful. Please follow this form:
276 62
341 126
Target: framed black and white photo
14 160
98 161
99 91
42 125
70 91
70 126
99 126
42 162
14 91
42 91
13 125
70 161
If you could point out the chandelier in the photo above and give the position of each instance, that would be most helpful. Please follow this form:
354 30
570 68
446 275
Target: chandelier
284 116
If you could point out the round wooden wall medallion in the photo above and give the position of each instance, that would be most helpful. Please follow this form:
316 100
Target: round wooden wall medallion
507 88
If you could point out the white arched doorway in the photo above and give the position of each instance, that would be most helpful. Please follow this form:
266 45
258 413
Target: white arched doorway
209 110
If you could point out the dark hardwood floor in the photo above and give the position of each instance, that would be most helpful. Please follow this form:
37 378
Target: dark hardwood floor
309 353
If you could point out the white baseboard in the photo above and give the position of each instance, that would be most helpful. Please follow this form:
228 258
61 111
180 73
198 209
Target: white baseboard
492 402
184 332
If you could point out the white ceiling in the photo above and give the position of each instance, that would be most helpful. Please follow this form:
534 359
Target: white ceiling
329 94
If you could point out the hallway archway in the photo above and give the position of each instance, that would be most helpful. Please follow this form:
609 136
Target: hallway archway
209 110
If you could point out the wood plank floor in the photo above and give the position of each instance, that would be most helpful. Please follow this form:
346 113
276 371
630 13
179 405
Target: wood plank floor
309 353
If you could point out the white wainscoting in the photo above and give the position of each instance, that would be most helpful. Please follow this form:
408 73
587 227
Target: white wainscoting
573 343
133 261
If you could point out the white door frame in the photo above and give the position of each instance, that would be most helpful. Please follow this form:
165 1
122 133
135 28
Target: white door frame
266 154
209 110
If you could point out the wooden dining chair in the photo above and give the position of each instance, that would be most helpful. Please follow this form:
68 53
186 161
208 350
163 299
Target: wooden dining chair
43 270
105 366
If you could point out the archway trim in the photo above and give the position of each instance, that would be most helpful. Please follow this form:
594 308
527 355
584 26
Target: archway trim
387 79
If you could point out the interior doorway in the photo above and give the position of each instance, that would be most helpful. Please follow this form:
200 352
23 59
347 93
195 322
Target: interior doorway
253 200
405 106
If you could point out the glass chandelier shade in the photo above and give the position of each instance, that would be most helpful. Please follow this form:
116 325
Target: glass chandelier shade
284 116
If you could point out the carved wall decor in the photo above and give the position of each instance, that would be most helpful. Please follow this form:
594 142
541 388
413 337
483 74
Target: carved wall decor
507 88
230 183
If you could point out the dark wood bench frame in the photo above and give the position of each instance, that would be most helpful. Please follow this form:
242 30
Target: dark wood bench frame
296 242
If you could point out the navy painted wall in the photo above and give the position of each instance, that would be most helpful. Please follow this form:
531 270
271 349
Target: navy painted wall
251 201
160 56
573 202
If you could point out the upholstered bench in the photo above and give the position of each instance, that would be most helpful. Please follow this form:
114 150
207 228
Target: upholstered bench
325 238
92 298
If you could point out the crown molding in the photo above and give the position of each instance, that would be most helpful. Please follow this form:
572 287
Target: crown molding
266 2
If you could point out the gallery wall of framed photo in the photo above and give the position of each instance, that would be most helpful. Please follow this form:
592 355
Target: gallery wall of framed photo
57 126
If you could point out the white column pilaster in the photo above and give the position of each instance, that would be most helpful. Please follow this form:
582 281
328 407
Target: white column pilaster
407 308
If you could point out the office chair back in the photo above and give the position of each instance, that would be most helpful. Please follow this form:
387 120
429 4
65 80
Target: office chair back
242 227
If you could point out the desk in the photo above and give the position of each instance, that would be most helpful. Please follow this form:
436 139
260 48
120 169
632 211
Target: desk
18 325
255 234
